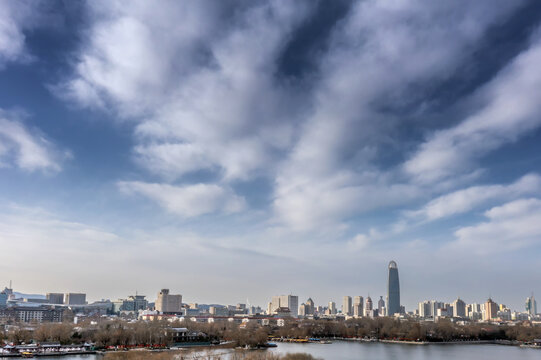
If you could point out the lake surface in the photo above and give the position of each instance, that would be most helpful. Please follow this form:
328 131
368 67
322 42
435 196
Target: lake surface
350 350
346 350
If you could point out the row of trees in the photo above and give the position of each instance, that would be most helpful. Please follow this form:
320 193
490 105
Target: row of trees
122 333
115 333
389 328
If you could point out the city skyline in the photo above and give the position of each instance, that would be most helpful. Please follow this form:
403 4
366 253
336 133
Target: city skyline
281 301
295 146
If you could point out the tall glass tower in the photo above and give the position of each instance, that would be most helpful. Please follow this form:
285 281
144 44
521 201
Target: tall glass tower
393 290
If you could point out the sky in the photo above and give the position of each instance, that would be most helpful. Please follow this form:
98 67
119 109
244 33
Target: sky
235 150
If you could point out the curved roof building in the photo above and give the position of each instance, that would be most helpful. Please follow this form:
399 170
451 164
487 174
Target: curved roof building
393 290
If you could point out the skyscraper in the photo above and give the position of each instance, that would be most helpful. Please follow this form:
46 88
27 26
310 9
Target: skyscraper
393 290
491 310
302 309
346 306
531 305
368 307
459 308
310 308
358 306
381 306
332 308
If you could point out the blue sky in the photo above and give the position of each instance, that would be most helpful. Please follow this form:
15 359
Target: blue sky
234 150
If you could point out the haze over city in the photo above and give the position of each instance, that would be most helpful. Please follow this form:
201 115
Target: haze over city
234 150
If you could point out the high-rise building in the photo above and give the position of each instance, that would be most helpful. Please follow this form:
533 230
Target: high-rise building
285 301
347 306
302 310
75 299
310 308
459 308
381 306
531 305
3 298
474 311
55 298
368 307
332 308
274 304
424 309
167 303
491 310
393 290
358 306
434 307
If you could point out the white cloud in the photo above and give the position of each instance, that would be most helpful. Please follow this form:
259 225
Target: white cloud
39 239
305 203
17 18
512 226
378 52
464 200
188 200
205 96
27 149
13 16
513 104
198 79
362 241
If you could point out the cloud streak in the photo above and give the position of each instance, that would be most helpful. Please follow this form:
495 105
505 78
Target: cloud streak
512 226
511 110
27 149
187 201
465 200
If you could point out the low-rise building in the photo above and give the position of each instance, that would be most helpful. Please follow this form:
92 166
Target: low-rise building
134 303
29 314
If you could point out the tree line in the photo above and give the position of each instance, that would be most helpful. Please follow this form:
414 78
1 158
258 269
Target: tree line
121 333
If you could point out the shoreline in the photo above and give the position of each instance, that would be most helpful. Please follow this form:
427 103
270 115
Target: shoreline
422 343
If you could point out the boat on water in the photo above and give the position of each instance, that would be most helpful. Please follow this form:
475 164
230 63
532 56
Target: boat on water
325 342
535 344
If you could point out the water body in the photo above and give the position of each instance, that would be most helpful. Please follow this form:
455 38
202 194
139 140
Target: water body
346 350
349 350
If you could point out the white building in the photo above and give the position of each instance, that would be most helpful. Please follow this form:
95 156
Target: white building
424 309
368 308
332 308
166 303
358 306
